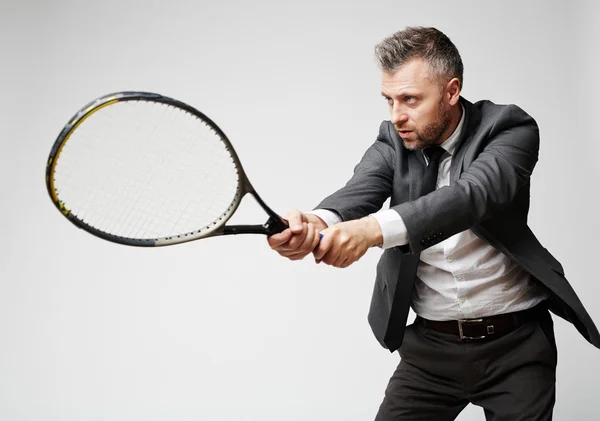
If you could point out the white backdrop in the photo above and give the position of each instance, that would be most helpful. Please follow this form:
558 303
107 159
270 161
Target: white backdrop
224 329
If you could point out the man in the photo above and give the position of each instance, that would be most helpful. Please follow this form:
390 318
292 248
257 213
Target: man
456 243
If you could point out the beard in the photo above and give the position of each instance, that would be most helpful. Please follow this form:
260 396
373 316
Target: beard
432 133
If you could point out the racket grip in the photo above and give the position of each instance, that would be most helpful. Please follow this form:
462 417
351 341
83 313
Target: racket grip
275 225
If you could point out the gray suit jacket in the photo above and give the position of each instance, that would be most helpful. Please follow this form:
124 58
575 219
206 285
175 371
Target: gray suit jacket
488 194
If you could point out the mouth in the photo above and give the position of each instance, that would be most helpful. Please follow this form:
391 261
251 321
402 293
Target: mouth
404 132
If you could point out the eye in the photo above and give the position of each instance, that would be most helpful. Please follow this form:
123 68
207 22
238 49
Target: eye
410 99
389 100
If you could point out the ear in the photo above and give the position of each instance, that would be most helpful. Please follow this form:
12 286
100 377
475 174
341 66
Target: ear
452 91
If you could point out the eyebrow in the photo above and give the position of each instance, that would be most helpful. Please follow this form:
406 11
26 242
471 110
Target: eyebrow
401 94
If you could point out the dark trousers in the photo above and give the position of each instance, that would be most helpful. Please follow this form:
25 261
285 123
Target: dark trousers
512 377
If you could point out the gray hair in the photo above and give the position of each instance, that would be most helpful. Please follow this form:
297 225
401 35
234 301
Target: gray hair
428 44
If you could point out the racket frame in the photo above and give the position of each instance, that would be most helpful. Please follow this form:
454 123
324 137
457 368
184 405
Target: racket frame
273 225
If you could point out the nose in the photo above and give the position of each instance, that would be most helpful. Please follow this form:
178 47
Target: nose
399 117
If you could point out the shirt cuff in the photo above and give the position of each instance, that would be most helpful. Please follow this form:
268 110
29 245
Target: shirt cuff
329 217
392 228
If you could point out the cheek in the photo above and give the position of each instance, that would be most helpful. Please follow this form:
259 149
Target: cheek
419 119
423 118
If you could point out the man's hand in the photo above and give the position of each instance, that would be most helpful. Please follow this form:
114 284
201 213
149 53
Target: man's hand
301 238
344 243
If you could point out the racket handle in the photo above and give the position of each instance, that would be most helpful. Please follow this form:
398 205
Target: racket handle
275 225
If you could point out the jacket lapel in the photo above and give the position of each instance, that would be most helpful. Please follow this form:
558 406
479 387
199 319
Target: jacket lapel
472 119
416 165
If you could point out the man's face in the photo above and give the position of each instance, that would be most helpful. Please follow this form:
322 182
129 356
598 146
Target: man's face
417 106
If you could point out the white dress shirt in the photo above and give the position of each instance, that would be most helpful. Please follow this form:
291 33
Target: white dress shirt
462 277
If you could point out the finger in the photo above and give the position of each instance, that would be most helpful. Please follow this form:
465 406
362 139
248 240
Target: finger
292 255
323 246
316 239
277 240
332 256
346 263
298 238
351 258
295 219
342 261
307 245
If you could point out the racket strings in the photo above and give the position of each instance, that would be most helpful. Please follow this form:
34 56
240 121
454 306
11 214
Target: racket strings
140 169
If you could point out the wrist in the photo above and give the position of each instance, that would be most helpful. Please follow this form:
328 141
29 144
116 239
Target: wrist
373 232
319 224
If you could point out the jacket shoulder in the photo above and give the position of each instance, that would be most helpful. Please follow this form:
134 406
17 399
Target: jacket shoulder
492 114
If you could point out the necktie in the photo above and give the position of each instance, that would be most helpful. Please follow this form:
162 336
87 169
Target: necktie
434 154
407 267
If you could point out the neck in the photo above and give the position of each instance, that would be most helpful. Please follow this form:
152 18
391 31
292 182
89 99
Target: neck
455 114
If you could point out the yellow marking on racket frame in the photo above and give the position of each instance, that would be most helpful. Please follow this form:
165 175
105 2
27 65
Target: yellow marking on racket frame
88 112
63 209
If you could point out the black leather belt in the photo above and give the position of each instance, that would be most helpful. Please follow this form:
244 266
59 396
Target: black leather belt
486 327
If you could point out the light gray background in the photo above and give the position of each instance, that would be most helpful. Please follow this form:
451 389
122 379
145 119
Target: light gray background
224 329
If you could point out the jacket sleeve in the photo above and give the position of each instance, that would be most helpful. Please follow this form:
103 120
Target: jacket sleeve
370 185
488 185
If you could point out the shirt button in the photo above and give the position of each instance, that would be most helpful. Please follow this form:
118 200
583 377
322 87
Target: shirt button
458 277
449 258
462 300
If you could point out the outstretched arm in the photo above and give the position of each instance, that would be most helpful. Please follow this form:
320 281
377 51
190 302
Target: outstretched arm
490 184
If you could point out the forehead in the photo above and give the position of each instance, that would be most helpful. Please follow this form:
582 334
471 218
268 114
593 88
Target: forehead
413 75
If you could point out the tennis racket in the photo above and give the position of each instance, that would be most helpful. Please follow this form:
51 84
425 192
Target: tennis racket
142 169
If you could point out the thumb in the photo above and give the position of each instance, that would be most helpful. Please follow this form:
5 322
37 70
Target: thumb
295 219
323 247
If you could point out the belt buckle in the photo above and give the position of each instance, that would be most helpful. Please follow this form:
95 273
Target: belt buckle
460 329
